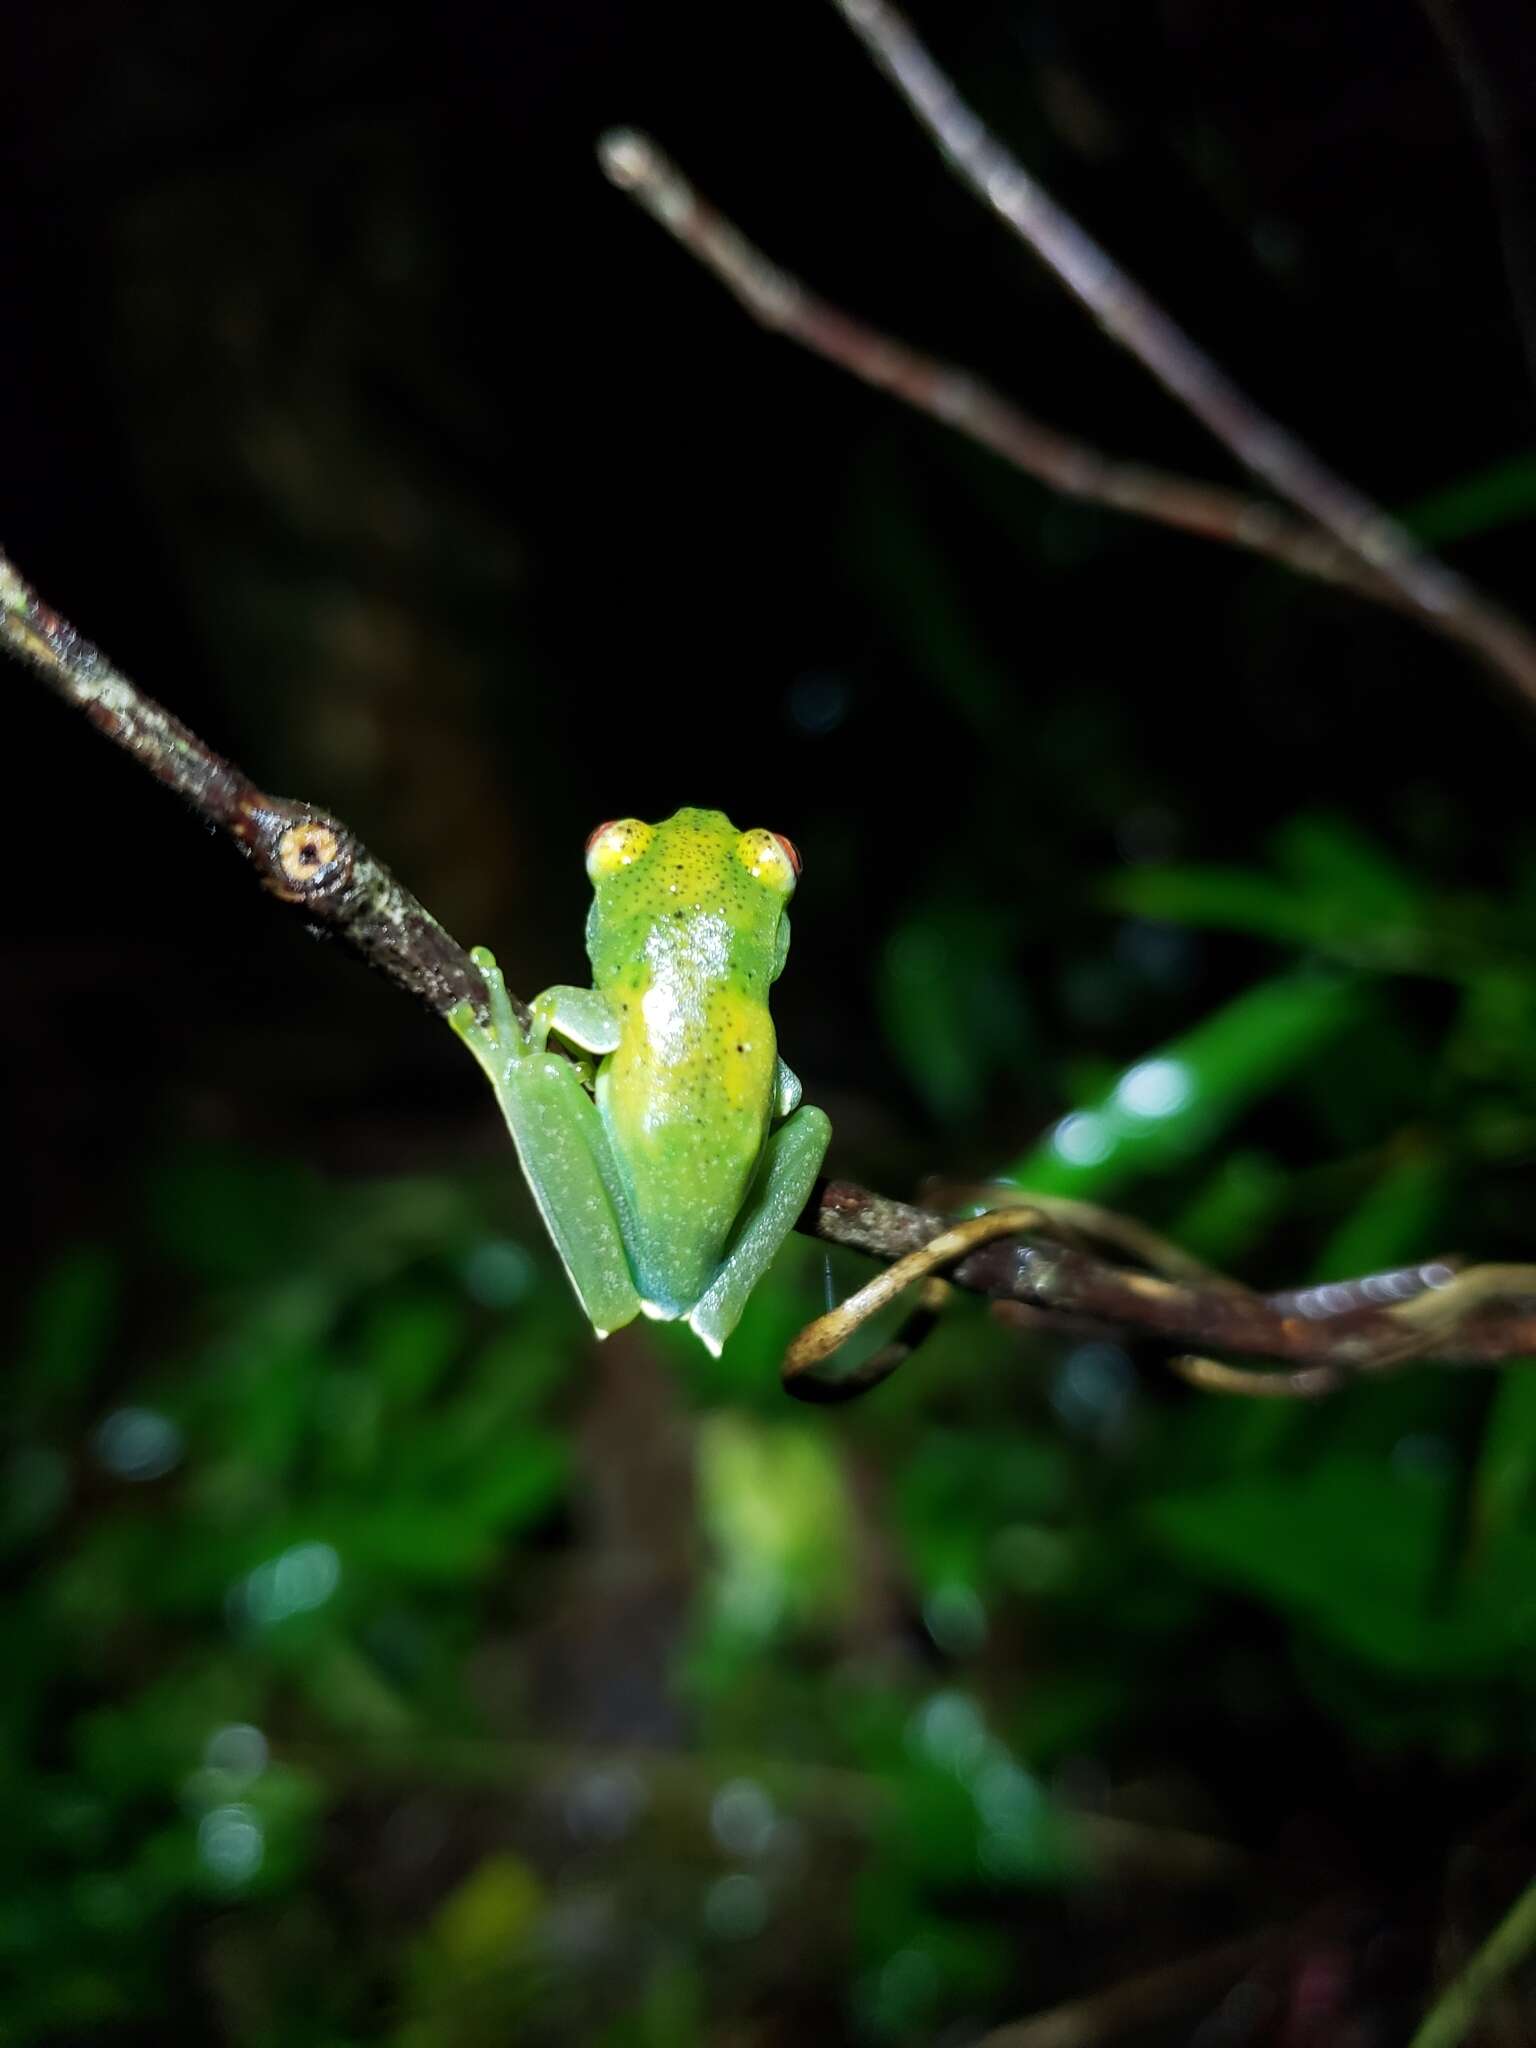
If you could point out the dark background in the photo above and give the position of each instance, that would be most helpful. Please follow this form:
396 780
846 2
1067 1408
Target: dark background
355 415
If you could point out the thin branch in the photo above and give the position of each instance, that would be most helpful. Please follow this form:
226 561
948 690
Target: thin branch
842 1798
1043 1276
1139 2002
1454 2012
961 400
1444 600
1484 74
1360 1328
301 854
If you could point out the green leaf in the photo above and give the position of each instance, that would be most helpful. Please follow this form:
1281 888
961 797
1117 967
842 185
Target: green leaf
236 1218
409 1342
1332 859
952 1007
1363 916
1176 1101
1499 495
924 607
1232 1207
1335 891
457 1533
1396 1219
1221 898
1354 1548
960 1488
68 1324
1504 1482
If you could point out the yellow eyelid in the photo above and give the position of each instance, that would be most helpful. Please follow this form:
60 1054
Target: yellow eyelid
765 860
617 846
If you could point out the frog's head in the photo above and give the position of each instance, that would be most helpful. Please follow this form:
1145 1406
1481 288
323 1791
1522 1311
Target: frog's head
694 866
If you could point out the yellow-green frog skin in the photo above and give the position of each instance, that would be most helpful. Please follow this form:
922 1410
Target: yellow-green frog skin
667 1188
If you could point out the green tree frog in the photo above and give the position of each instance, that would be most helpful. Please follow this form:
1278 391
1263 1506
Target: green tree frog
670 1171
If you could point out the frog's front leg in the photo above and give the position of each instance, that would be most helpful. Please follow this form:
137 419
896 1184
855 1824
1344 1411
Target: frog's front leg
561 1144
791 1163
579 1015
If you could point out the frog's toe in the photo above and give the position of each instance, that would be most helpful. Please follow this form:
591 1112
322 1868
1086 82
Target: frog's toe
713 1340
659 1312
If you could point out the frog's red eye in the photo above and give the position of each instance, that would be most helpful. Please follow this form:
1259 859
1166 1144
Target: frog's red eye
791 852
593 837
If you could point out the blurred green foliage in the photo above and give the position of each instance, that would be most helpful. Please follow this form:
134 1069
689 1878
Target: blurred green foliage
321 1674
384 1661
387 1664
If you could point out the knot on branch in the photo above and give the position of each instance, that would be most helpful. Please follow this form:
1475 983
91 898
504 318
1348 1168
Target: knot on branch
300 854
306 857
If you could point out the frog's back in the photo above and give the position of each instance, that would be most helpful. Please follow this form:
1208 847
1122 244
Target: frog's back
686 937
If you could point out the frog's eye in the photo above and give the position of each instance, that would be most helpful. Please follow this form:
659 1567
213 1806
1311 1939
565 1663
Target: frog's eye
770 857
615 845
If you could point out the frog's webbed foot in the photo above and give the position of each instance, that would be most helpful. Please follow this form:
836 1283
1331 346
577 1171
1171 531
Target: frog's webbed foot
819 1340
580 1017
501 1039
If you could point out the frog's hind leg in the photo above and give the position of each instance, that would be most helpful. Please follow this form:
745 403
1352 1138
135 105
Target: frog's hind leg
561 1144
562 1148
790 1166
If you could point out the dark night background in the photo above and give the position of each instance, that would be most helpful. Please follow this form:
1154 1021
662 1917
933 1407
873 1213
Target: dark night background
388 1663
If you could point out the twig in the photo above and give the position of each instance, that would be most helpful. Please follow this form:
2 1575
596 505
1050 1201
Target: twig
301 854
1454 2011
1484 75
1436 594
1139 2002
842 1798
309 859
961 400
1380 1323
